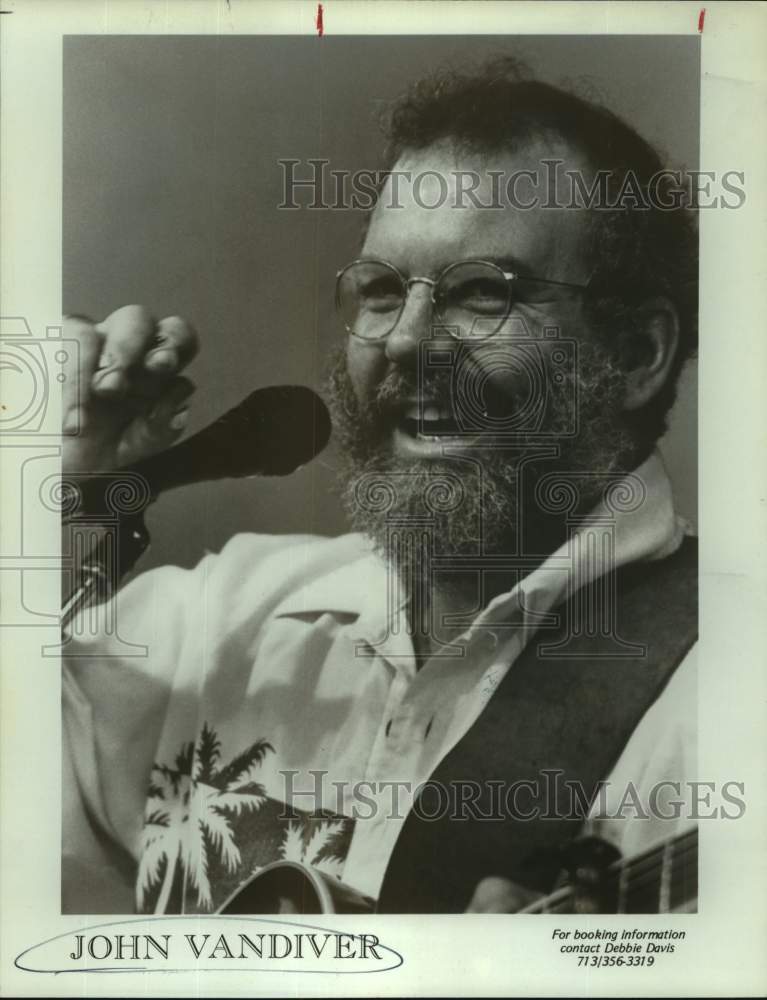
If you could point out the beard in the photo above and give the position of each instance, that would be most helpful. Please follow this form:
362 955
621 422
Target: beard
487 500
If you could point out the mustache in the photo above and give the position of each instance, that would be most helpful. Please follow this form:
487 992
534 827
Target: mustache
363 420
443 390
399 387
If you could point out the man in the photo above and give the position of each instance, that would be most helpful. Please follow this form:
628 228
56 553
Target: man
512 354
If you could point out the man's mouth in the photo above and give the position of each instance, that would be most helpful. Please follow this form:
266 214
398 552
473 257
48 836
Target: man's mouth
428 421
422 429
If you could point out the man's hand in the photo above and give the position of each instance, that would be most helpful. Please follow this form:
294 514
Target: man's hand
500 895
126 398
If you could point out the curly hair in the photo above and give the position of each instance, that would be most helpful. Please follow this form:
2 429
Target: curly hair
636 254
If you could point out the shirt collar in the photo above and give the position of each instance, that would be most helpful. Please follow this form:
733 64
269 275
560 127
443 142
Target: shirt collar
644 527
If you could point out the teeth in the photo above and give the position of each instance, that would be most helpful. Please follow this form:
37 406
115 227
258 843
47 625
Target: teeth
429 412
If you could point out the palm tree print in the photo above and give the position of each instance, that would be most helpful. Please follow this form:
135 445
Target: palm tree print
316 842
188 817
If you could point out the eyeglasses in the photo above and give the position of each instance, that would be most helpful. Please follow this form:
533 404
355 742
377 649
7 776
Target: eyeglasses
472 299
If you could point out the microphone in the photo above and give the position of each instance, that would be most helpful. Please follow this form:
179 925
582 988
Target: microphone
272 432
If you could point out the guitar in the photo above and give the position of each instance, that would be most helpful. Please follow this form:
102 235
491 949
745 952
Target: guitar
661 879
290 887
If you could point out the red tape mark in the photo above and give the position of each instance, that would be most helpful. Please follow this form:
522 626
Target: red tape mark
701 19
318 21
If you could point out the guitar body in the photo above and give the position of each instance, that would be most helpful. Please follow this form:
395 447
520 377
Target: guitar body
662 879
289 887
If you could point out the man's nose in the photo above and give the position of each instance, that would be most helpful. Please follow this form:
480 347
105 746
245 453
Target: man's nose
414 324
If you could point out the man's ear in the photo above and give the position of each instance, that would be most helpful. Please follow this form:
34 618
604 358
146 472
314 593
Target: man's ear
657 336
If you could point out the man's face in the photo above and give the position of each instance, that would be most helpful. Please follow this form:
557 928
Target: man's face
421 241
389 401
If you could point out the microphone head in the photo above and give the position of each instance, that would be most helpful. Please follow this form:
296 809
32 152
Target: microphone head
272 432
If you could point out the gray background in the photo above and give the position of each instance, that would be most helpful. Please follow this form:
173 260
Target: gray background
171 187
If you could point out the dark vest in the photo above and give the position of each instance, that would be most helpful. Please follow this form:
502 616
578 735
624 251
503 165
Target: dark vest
559 721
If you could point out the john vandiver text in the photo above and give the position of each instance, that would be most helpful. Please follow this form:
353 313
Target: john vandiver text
145 947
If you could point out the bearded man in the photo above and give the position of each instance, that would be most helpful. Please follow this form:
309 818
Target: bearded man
426 711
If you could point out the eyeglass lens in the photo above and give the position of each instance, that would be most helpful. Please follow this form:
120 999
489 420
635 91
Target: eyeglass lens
472 298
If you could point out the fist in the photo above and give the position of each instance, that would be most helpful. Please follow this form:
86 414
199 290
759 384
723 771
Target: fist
126 398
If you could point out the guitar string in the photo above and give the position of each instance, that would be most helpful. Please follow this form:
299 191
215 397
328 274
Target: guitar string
682 861
560 902
649 860
682 841
682 868
648 884
649 863
676 858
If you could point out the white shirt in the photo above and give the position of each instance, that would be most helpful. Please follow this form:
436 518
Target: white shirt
287 640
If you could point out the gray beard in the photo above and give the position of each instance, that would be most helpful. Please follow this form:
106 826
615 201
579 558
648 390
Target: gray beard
482 504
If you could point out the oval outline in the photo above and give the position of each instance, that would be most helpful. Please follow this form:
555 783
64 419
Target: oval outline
196 919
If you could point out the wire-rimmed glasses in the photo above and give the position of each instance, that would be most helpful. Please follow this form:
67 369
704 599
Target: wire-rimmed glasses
471 299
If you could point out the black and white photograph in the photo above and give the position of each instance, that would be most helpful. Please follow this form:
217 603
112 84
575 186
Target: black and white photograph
391 603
